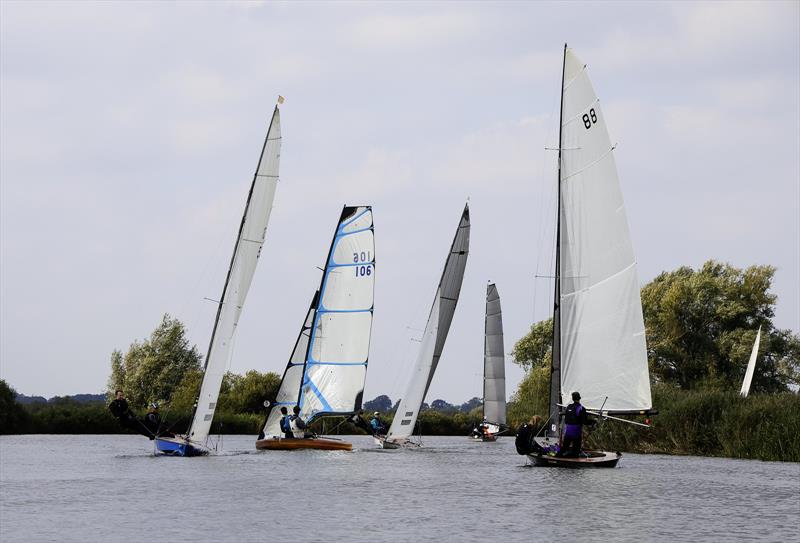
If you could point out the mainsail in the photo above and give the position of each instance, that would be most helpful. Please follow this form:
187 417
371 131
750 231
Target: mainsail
751 366
249 241
494 371
599 341
328 366
439 319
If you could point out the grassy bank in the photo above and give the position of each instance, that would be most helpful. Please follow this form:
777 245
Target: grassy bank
711 423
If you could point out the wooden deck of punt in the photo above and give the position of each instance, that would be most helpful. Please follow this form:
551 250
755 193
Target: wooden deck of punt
289 444
595 459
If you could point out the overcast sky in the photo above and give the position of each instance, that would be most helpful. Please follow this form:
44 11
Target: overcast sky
129 133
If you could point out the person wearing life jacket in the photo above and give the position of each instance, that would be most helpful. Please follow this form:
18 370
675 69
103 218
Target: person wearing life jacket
152 420
575 418
525 442
358 421
296 424
377 425
286 426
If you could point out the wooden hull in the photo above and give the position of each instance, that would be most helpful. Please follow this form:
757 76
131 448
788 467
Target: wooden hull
291 444
490 438
593 459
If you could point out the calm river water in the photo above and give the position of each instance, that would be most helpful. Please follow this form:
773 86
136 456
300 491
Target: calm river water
111 488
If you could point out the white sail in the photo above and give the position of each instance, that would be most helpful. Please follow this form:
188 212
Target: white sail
751 366
494 370
405 418
603 350
441 315
240 274
289 389
336 362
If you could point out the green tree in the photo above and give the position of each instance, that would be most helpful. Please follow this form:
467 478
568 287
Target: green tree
531 397
13 417
701 326
153 369
535 348
246 393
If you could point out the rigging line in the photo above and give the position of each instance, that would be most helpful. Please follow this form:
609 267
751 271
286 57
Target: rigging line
541 230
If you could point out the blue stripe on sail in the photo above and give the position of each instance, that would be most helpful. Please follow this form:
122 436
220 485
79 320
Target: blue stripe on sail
368 310
318 363
343 234
335 265
310 384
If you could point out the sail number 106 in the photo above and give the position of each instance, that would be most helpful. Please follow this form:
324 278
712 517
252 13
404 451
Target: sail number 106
365 270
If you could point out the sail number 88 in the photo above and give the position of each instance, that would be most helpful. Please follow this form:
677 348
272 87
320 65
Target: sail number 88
589 119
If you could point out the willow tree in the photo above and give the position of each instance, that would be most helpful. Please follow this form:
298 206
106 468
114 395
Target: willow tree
701 325
151 370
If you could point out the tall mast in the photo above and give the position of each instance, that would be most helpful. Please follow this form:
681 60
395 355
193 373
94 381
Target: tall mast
233 258
555 364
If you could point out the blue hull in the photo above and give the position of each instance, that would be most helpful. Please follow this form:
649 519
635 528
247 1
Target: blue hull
178 447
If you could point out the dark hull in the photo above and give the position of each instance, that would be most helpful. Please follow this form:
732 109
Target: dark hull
594 459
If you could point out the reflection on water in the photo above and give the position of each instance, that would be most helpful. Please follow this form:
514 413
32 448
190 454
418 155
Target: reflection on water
92 488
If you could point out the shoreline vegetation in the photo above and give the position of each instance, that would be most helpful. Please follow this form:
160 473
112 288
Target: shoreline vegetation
697 423
700 326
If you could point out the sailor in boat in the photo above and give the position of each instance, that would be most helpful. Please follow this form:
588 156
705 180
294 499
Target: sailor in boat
575 418
286 424
358 421
153 423
297 425
477 433
378 428
122 412
525 442
152 420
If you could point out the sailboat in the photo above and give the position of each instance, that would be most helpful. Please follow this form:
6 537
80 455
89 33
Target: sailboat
599 347
433 339
250 239
328 366
751 366
494 371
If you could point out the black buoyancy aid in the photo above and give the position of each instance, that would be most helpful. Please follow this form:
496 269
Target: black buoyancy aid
524 438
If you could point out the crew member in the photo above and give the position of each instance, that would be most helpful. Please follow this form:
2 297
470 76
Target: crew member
358 421
121 411
296 424
286 424
378 428
575 418
152 420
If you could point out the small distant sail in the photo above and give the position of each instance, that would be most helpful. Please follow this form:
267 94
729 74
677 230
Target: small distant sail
494 371
748 376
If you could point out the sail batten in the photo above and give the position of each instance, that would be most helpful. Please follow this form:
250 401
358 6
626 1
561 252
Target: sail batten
600 327
494 372
435 335
252 231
